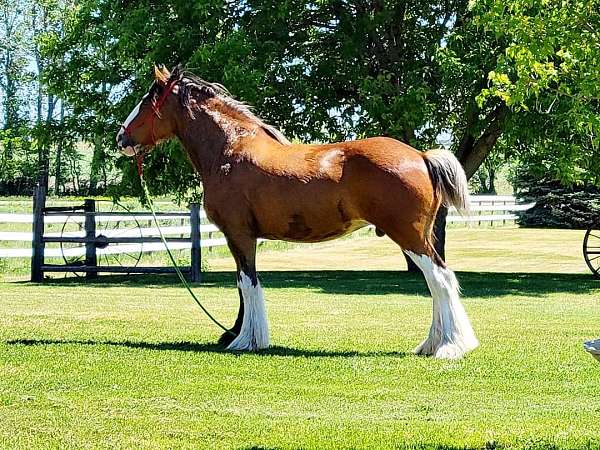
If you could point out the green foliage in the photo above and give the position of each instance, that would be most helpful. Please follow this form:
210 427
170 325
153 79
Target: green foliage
18 169
523 75
548 73
551 46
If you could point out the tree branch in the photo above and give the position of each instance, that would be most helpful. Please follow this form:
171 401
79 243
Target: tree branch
475 151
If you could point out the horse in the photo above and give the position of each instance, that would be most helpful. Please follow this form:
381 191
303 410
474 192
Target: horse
257 184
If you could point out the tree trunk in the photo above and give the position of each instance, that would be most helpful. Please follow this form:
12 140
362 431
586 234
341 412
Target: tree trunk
439 232
94 166
58 166
97 157
471 153
492 181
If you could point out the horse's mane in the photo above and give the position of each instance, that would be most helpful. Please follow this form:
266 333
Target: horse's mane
191 86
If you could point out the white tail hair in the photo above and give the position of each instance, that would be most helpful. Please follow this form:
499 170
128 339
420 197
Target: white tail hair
448 178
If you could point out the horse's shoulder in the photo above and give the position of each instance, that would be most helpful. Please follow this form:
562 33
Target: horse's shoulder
300 161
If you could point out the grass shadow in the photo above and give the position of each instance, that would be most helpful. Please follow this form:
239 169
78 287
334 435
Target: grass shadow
199 347
381 282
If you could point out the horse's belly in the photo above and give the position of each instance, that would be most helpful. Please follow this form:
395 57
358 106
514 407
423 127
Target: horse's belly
300 230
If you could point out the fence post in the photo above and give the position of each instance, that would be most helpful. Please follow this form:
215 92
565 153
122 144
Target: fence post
37 248
196 256
89 206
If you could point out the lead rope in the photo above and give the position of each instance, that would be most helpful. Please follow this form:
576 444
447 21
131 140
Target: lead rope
140 167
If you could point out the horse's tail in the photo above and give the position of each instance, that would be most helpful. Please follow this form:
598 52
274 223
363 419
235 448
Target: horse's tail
448 178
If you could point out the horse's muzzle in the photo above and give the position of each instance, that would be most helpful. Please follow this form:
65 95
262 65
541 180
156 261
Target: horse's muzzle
126 144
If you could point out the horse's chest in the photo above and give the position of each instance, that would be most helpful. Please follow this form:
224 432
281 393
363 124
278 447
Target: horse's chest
215 216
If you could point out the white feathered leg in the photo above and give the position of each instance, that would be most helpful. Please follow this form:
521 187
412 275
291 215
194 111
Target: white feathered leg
451 334
254 334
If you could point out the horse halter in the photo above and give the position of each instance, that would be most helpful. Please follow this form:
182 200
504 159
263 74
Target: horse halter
156 107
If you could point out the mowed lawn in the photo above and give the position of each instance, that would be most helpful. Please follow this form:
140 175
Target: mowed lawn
131 363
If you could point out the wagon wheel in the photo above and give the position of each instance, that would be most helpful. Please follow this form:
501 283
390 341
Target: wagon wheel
115 255
591 249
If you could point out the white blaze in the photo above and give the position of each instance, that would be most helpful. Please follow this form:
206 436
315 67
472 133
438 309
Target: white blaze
129 151
133 114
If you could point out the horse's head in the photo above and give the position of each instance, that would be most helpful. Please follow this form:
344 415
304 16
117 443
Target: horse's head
154 118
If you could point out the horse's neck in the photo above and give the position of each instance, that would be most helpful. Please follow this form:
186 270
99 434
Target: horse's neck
205 142
216 141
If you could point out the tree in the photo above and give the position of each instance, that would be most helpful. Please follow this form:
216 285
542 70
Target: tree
108 48
484 72
548 76
46 17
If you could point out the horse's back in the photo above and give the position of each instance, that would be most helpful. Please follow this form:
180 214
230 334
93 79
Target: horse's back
385 152
318 162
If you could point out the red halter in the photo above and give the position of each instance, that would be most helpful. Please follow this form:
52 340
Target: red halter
156 107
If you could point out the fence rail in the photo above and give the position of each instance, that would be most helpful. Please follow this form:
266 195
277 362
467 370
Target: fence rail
484 209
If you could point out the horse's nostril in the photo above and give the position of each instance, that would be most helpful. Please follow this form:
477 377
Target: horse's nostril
124 141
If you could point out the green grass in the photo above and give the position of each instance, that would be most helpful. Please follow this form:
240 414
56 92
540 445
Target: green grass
129 362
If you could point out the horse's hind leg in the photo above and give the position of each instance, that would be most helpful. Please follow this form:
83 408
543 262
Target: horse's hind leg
451 334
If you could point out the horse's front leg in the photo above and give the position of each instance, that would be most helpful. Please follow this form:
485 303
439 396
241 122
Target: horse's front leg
251 326
228 336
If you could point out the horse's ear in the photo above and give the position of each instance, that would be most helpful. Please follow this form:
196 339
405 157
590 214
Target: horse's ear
165 71
161 74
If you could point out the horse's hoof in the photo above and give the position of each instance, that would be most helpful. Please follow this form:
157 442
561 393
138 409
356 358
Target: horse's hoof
441 350
446 349
248 343
449 351
425 348
226 339
242 347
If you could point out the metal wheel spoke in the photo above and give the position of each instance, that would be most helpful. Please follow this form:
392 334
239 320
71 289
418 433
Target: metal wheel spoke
117 260
124 230
74 254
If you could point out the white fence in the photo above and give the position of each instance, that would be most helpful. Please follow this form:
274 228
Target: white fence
484 209
490 209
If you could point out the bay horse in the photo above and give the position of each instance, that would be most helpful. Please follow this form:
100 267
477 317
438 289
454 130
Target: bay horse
257 184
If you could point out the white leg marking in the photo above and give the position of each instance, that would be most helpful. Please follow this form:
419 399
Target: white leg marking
254 334
451 334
